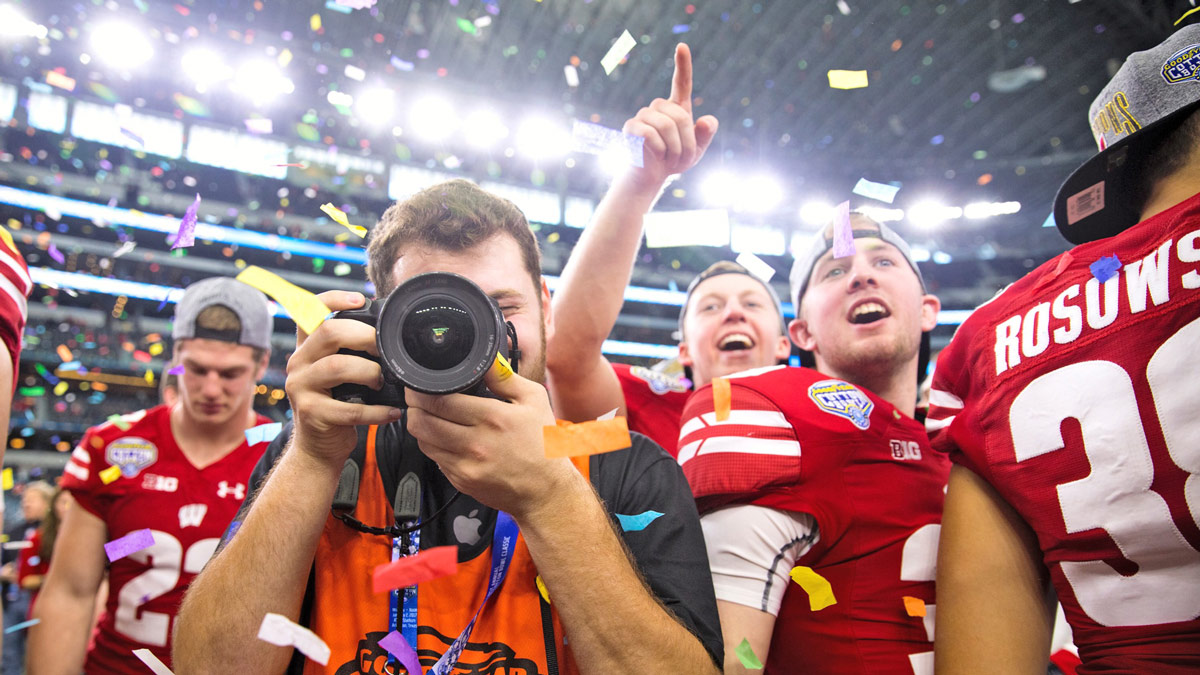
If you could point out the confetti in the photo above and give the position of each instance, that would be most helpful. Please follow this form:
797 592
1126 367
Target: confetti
433 563
57 79
847 79
314 22
877 191
340 218
278 630
263 433
1049 221
617 52
64 353
398 647
466 26
721 393
820 593
110 474
356 4
914 606
16 545
608 415
597 140
6 479
572 74
541 586
125 248
503 367
187 227
129 133
21 626
843 233
152 662
41 370
639 522
1105 268
756 266
746 655
129 544
585 438
119 422
176 370
306 309
56 254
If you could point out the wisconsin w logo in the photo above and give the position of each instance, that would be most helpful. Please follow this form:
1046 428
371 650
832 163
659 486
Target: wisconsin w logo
192 515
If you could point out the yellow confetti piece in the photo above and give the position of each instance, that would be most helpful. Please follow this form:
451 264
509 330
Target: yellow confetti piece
306 309
339 217
61 388
847 79
722 392
110 474
149 377
542 589
820 593
155 349
586 438
6 479
314 22
914 606
285 57
503 367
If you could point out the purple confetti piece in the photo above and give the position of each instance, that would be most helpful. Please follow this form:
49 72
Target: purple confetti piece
133 137
843 235
401 64
163 303
398 647
56 254
1105 268
681 28
129 544
187 227
176 370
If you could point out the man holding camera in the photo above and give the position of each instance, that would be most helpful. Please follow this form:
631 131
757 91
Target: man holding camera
578 596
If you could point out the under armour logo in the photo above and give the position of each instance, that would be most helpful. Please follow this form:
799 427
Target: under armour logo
238 491
192 515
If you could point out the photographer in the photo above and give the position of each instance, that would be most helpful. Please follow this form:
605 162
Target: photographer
607 607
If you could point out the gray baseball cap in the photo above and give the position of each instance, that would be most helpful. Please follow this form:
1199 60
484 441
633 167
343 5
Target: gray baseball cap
862 226
247 302
1150 93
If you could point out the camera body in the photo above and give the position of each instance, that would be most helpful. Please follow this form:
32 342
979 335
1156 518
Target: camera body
437 333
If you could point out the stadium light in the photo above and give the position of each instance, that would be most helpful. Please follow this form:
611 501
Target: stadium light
121 45
816 214
541 138
433 119
614 161
980 210
262 82
881 214
375 107
720 188
205 68
930 214
759 194
484 129
15 24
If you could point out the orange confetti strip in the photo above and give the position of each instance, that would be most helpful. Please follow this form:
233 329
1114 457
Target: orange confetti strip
586 438
722 392
914 606
65 354
427 565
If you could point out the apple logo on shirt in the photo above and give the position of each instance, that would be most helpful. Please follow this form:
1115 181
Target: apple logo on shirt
466 528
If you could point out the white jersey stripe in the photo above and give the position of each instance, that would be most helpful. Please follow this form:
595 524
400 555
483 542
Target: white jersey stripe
758 418
937 425
81 456
944 399
740 445
10 289
76 471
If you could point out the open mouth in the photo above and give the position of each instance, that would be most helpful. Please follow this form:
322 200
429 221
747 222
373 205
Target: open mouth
735 342
868 312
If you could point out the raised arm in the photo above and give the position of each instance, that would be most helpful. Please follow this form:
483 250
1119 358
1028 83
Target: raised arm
265 566
66 605
994 610
592 288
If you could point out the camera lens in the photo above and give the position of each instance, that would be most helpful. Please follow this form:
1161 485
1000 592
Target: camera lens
438 333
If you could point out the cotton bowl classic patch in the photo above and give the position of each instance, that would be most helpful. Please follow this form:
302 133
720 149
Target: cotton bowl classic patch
1183 65
660 383
844 400
132 454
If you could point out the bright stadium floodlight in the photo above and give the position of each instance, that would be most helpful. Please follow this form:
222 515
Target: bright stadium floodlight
262 82
205 68
121 45
816 214
541 138
929 215
881 214
759 194
15 24
375 107
720 188
980 210
432 119
484 129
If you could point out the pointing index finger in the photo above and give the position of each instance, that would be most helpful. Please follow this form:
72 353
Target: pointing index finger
681 83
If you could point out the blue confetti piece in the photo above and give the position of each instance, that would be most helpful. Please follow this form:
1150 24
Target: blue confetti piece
1105 268
401 64
21 626
332 4
681 28
597 140
638 522
263 433
877 191
1049 221
133 137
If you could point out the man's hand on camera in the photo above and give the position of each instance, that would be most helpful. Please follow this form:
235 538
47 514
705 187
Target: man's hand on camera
324 427
490 449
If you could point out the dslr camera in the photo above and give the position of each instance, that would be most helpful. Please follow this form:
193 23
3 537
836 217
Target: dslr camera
437 333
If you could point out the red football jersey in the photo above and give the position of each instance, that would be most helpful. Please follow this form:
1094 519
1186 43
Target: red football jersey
798 440
187 510
15 286
653 402
1079 401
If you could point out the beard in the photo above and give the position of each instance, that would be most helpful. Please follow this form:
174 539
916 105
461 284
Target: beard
874 362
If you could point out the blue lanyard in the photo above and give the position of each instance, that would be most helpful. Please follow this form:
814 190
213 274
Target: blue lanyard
504 541
403 615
